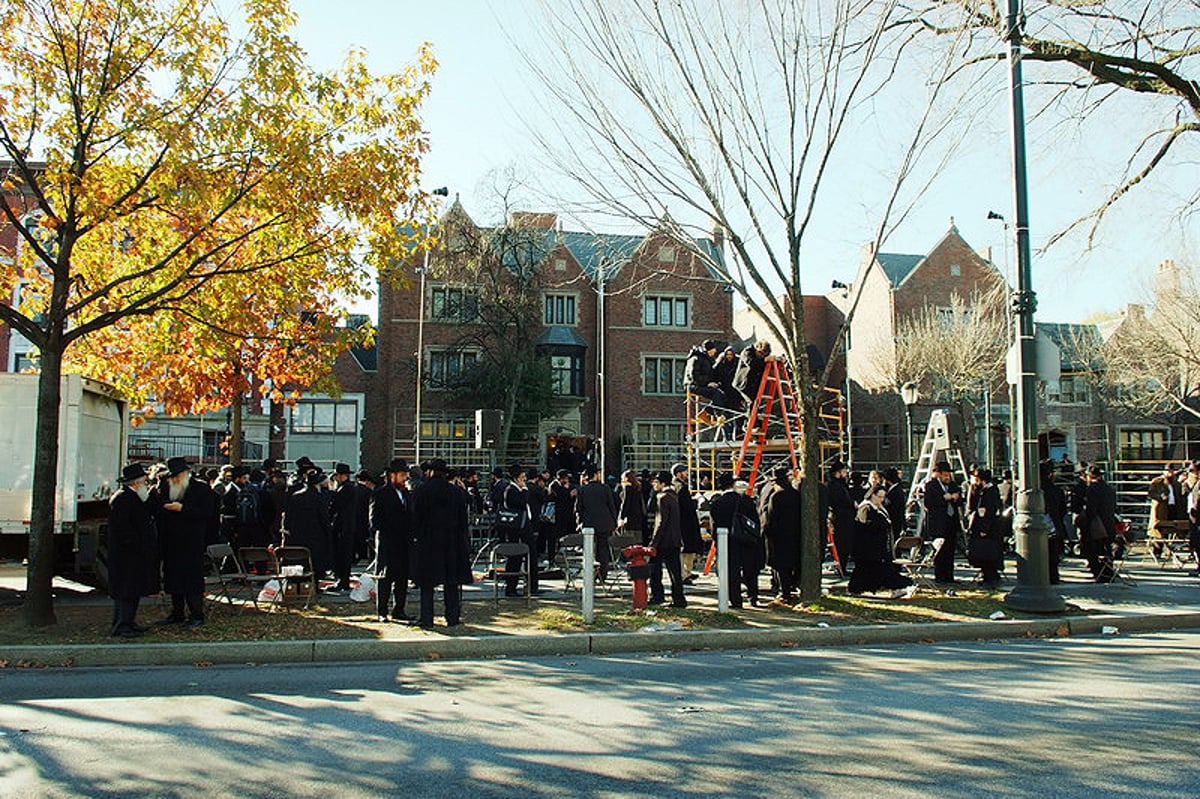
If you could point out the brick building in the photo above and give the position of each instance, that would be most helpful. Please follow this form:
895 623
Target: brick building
657 299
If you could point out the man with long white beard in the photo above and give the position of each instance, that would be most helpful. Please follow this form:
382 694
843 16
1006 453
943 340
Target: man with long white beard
187 517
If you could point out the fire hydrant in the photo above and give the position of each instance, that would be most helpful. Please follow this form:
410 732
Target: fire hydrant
639 570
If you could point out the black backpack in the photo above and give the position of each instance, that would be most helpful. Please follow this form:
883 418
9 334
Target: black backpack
249 508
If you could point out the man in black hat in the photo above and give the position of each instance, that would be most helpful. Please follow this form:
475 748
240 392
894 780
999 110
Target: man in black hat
132 549
187 520
667 541
700 379
941 499
391 521
365 484
306 522
343 518
841 510
304 465
895 501
443 550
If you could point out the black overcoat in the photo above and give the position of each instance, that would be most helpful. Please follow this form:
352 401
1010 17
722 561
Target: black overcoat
391 522
343 511
306 519
689 518
439 521
667 536
595 508
183 536
779 517
132 546
633 509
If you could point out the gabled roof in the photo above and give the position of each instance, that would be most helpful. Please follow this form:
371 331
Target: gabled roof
898 266
1077 344
596 250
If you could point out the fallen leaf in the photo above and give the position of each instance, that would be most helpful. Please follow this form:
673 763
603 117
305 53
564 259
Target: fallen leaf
203 664
1063 629
68 662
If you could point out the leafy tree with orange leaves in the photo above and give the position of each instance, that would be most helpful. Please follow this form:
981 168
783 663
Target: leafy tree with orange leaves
189 203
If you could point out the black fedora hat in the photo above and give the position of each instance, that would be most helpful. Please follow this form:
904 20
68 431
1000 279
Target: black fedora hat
398 465
133 472
177 466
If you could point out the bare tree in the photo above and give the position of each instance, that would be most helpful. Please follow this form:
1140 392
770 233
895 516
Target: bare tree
1109 51
956 352
694 117
1150 363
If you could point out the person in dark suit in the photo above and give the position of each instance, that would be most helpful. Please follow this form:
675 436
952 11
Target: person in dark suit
364 486
985 549
187 519
841 510
132 549
390 519
595 508
343 524
895 502
873 565
941 499
1056 512
689 522
443 549
667 541
631 515
1100 526
779 520
562 494
306 522
745 556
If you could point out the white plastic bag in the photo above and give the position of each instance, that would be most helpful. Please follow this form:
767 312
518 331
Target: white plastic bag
365 590
270 592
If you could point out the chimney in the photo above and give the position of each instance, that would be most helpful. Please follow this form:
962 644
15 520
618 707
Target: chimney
986 252
718 238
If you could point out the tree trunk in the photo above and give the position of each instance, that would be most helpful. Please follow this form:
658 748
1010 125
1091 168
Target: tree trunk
235 431
509 412
38 610
812 526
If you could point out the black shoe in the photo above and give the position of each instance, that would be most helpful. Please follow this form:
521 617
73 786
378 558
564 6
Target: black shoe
511 592
195 622
173 619
456 623
424 625
658 601
738 606
682 604
754 603
401 616
128 632
382 619
689 580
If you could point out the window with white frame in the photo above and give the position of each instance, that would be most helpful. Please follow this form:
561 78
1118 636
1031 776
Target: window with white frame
654 431
447 428
444 365
663 374
559 309
453 304
1070 390
665 311
324 416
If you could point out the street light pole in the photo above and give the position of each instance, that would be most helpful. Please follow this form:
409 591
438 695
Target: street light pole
909 393
1032 592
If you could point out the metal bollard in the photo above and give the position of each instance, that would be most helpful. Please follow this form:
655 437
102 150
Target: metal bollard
722 569
589 575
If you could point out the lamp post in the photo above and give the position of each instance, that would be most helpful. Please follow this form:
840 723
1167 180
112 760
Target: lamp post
910 394
1032 592
423 271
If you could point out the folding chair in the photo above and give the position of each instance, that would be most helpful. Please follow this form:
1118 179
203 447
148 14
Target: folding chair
501 553
618 567
569 558
260 566
222 573
911 554
296 571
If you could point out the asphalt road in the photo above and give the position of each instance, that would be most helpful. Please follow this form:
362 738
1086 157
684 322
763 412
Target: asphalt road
1086 717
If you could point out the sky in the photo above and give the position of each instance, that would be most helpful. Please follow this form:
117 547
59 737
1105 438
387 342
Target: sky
481 94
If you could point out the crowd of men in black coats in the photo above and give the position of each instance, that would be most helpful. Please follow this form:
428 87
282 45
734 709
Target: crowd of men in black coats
161 522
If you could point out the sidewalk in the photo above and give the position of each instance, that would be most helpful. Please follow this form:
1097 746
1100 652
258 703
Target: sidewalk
551 625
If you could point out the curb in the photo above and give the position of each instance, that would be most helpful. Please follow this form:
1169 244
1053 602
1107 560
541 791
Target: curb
501 646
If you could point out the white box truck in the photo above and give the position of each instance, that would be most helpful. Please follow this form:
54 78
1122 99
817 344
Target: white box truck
93 429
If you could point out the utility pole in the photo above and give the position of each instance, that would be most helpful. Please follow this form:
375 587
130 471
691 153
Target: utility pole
1032 592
